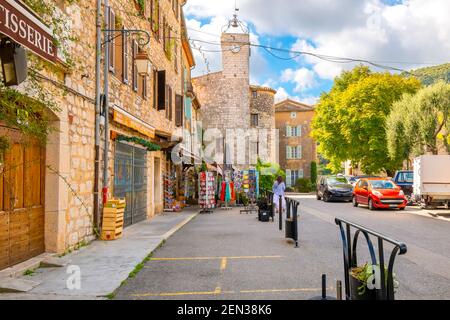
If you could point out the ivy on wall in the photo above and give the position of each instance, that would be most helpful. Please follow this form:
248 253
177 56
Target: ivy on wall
27 109
145 143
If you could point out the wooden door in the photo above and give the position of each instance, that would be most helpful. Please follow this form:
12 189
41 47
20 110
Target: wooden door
21 200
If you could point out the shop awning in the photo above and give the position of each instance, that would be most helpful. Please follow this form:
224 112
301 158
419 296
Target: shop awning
130 121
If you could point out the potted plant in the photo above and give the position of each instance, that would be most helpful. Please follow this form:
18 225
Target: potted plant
360 277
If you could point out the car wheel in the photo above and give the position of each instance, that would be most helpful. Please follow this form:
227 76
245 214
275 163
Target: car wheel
318 197
355 202
326 197
371 205
402 209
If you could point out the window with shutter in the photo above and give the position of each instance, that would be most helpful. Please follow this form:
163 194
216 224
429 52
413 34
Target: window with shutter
288 131
299 152
299 131
112 37
288 178
161 90
125 57
134 52
179 110
288 152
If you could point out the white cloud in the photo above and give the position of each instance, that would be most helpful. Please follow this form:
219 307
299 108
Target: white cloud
303 78
413 31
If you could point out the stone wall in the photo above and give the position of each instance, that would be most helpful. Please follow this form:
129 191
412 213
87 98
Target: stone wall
262 103
225 95
70 151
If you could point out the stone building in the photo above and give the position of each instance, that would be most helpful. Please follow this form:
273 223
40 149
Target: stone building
236 114
56 199
296 147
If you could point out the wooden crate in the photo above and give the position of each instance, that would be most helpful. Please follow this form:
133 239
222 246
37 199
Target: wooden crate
113 214
111 235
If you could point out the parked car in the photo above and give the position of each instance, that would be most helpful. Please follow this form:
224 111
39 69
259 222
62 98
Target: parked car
334 188
354 179
379 193
405 180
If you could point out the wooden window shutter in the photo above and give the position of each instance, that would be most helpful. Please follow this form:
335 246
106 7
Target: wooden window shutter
299 152
288 152
112 42
161 90
134 52
179 110
299 131
125 57
144 87
155 89
170 103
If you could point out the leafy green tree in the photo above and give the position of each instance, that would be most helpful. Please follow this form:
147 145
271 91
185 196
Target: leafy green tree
420 123
268 173
350 120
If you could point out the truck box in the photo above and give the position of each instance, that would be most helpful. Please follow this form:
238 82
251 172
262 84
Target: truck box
432 179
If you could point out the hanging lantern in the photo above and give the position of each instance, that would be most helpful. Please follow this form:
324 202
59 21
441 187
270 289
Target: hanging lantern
143 64
14 63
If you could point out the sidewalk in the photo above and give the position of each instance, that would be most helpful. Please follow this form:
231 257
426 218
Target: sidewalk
104 265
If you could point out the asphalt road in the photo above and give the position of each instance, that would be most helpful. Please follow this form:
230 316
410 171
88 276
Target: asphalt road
227 255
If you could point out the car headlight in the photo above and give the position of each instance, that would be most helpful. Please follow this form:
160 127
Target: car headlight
401 193
377 193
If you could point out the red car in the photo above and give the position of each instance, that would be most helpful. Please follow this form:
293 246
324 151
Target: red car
379 193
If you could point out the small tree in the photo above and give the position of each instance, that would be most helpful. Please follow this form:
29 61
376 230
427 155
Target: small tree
268 173
313 172
420 123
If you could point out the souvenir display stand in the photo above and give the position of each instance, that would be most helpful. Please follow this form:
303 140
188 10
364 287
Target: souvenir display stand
250 185
207 192
169 192
227 191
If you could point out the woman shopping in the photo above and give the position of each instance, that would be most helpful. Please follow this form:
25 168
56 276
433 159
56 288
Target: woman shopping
278 190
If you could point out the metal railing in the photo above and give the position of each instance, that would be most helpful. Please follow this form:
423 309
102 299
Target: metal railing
386 290
291 215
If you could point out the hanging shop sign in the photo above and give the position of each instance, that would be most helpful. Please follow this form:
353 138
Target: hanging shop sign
128 120
20 24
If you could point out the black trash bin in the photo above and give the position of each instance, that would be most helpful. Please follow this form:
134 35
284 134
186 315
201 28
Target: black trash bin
264 215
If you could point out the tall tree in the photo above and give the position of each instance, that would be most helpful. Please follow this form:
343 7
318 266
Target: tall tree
350 120
420 123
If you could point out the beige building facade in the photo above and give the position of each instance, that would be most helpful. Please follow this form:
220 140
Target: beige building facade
297 149
145 114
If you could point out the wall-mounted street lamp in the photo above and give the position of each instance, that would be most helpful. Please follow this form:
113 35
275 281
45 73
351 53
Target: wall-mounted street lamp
142 61
14 62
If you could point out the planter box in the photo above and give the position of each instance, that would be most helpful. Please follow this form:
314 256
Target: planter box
354 285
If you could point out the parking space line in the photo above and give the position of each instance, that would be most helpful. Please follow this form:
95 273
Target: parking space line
216 258
218 291
223 264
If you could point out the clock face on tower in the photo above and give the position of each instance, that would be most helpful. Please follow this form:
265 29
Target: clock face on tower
235 49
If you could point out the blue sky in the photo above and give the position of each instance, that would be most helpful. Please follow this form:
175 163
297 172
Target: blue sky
397 33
